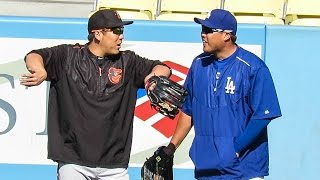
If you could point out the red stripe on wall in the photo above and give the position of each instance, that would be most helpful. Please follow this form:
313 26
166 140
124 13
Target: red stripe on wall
144 111
166 126
177 67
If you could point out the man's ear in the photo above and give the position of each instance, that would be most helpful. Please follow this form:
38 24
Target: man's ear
98 35
227 36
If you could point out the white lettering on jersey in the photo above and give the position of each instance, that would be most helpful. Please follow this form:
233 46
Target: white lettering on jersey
230 87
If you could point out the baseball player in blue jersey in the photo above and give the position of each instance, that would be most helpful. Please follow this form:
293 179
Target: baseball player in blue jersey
231 100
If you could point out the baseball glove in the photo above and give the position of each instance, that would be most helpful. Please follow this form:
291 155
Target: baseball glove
158 167
166 96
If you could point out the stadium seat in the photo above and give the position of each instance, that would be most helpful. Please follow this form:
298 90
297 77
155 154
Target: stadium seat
303 12
131 9
256 11
186 10
306 22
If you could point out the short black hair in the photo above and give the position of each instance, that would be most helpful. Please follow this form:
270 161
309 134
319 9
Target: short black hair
90 37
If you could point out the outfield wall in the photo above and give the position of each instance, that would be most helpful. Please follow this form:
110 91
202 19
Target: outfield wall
288 51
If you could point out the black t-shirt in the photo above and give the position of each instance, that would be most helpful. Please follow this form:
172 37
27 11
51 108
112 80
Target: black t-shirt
91 104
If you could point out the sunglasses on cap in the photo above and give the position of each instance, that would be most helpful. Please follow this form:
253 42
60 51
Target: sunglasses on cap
115 30
207 30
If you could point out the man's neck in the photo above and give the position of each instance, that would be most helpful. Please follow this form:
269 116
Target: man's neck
94 49
227 51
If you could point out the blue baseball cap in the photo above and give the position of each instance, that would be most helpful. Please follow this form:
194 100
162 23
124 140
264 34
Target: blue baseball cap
219 19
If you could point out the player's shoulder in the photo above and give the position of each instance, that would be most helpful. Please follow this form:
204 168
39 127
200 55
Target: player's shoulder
75 46
128 53
71 47
202 58
249 58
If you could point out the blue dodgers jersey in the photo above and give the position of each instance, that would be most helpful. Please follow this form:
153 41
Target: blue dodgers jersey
223 97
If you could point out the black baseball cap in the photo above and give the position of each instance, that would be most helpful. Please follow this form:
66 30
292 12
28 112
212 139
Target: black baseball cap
105 18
